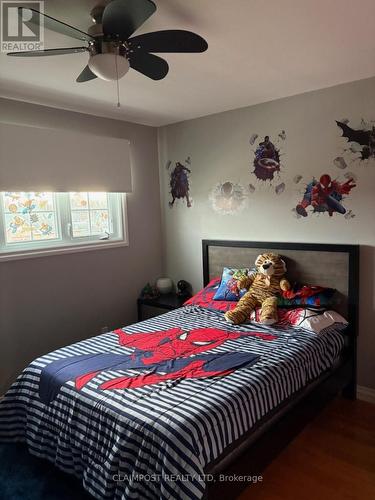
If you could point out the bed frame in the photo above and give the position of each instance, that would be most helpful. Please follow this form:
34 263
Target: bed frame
335 266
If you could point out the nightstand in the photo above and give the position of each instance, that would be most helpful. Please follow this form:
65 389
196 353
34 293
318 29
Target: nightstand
160 305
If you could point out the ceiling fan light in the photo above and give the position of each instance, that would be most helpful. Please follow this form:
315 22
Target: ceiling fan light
95 30
104 66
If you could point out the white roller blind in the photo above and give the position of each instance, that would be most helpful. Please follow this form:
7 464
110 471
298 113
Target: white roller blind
42 159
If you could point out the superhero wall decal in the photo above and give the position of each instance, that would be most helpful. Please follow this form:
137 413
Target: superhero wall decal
361 141
267 159
326 195
228 198
179 182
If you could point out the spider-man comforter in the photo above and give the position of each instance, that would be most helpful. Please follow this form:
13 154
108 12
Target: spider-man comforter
139 412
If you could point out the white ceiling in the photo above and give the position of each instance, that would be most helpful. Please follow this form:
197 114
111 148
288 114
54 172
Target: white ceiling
259 50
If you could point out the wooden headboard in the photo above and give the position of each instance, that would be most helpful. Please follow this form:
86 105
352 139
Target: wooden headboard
335 266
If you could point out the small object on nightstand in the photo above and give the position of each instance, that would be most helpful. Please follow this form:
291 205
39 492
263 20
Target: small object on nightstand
164 303
164 285
184 289
149 292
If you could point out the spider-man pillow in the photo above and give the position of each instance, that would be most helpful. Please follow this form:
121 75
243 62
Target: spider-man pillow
205 298
307 296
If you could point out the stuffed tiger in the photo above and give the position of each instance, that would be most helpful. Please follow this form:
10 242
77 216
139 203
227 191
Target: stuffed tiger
263 288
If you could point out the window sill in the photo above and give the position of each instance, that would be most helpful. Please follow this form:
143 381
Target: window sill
31 254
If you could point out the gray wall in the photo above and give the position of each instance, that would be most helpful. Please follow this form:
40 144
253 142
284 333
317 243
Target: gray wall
220 151
49 302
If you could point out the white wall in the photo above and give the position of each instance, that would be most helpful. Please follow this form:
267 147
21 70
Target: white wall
220 151
50 302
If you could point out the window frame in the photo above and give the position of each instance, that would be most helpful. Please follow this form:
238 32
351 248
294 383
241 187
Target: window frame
66 243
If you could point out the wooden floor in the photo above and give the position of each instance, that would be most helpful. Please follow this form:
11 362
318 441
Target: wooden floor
333 458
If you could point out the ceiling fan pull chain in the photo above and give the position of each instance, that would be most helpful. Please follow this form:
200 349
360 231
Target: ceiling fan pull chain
117 79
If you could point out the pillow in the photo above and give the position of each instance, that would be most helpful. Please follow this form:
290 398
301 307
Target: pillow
301 295
313 320
316 321
307 295
228 287
205 298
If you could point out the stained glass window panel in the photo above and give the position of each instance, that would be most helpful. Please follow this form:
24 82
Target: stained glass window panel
44 202
17 228
98 200
44 226
29 217
99 221
28 202
79 201
80 223
35 221
90 214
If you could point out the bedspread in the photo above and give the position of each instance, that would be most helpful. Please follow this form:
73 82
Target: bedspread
140 416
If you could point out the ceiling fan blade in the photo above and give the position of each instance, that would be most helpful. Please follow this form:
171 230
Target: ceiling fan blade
86 75
54 25
170 41
48 52
122 17
148 64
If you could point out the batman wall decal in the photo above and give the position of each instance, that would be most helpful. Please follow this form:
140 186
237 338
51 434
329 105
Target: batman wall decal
364 138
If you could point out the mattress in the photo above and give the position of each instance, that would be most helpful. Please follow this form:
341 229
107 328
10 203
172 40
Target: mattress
127 434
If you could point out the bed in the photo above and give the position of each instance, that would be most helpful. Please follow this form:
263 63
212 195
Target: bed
100 410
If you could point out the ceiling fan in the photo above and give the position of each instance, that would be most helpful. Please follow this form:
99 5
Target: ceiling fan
111 47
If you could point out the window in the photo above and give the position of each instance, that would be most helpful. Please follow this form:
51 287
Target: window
32 223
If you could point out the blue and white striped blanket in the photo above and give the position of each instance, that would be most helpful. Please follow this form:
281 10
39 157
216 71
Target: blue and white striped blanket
154 441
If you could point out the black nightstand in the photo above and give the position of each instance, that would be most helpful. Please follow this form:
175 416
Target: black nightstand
166 302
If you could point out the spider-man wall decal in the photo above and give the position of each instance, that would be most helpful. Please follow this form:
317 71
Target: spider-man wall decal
325 195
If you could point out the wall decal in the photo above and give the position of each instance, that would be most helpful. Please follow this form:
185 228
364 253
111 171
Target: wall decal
351 175
266 161
282 135
253 138
179 182
340 162
361 140
325 195
228 198
280 188
349 215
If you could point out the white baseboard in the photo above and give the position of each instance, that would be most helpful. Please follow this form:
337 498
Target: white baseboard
366 394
